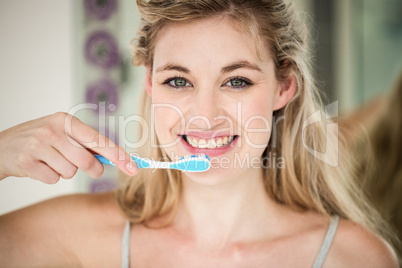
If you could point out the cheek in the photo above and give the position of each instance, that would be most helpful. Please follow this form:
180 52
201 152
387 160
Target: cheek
257 124
167 117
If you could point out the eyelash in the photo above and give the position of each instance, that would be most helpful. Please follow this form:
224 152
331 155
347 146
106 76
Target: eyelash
245 83
169 80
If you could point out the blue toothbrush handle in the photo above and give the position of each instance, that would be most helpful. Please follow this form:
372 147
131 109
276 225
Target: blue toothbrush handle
138 161
192 164
104 160
141 163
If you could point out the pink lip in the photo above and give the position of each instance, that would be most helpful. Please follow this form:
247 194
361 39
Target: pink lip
207 151
207 135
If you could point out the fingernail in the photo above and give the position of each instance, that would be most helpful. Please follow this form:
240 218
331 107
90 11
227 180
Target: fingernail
130 167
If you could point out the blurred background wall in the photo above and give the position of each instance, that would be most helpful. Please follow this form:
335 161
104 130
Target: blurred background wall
36 79
358 46
45 67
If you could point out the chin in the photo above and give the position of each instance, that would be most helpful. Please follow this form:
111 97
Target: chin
214 176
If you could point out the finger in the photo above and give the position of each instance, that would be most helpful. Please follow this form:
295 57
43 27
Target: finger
55 160
92 139
80 157
44 173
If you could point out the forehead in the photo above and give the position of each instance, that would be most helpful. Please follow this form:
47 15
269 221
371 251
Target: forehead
208 40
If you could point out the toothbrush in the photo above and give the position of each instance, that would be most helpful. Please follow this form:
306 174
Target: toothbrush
191 163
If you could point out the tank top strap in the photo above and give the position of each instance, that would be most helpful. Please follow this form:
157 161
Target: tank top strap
326 244
322 254
125 246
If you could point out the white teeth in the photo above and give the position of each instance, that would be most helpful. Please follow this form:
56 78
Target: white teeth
219 143
202 143
195 143
211 143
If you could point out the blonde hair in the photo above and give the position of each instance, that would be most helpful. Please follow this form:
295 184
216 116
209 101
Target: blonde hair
383 173
306 183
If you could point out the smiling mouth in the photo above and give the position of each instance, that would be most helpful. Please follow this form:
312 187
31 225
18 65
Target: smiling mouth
213 143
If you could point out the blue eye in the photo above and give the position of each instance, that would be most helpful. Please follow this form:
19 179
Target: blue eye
177 82
238 83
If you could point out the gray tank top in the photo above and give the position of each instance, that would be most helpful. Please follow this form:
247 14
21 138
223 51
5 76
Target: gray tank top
319 260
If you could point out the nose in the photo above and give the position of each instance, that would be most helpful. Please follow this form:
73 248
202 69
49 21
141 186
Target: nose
206 106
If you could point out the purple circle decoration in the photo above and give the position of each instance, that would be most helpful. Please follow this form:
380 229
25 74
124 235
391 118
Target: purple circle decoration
102 185
103 92
101 50
100 9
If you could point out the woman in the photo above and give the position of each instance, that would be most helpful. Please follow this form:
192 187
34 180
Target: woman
217 71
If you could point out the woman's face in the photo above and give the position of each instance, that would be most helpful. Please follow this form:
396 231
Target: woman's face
212 94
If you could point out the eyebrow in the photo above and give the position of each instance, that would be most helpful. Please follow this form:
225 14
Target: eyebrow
231 67
240 64
172 67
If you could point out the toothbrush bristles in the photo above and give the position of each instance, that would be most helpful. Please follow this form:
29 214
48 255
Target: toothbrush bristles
199 156
204 156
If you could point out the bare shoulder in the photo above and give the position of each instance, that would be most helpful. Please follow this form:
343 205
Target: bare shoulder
76 208
54 232
355 246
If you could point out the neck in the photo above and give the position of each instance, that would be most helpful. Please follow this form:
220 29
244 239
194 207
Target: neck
237 209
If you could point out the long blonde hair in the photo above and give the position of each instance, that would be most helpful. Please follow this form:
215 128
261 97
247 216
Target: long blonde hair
383 174
307 183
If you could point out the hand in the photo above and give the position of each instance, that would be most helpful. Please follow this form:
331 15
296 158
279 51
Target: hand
55 146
